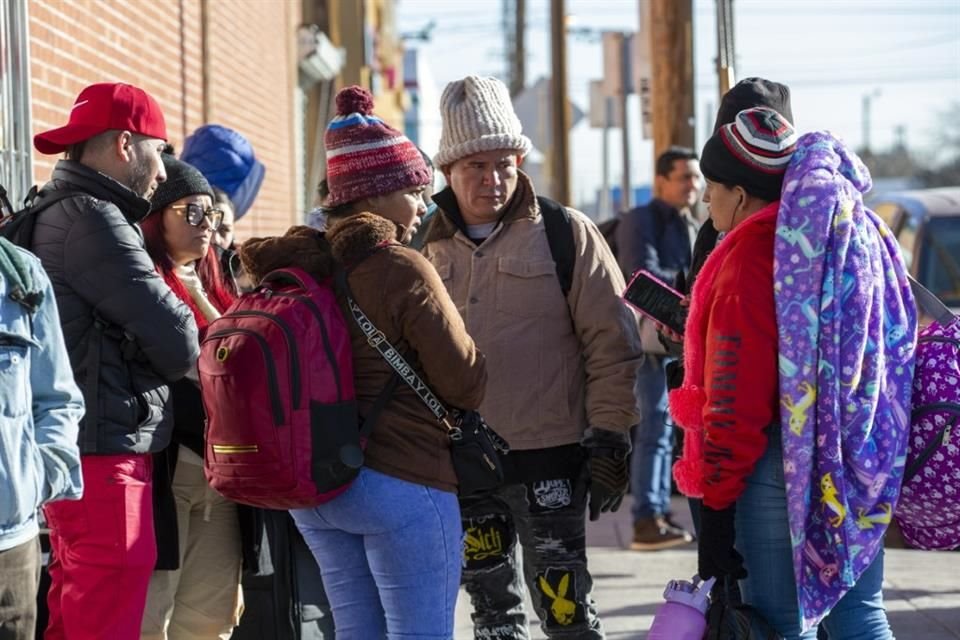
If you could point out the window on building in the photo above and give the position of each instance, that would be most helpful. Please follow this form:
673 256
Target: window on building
16 169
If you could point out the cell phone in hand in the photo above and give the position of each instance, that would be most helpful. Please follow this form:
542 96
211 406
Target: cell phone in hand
657 301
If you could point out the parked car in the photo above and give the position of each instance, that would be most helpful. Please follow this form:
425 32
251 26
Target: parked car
927 225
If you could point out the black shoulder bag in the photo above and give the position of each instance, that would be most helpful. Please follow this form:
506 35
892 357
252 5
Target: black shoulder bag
474 447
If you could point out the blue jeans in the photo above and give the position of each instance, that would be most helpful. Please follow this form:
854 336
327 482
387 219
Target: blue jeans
650 463
390 555
763 538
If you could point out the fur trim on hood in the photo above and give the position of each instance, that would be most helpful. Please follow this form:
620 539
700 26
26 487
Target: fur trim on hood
354 237
346 241
302 247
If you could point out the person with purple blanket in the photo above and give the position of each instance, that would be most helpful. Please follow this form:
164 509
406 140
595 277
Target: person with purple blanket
799 353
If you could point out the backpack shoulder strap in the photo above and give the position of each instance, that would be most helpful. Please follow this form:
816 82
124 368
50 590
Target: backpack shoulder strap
929 304
563 249
18 226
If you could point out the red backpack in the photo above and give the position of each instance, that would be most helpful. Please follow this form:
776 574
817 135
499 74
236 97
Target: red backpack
276 375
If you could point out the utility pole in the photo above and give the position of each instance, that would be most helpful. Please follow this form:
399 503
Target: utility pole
606 206
625 82
726 49
519 80
509 50
867 108
672 56
560 154
513 21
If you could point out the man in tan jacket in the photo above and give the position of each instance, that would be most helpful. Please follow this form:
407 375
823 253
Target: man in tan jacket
561 364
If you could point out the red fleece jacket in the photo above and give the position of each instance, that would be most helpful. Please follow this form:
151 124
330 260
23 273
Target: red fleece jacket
739 364
740 370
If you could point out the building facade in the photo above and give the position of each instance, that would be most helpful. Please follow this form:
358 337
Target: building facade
230 62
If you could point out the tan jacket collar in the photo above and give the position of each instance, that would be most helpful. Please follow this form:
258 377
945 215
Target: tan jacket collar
522 205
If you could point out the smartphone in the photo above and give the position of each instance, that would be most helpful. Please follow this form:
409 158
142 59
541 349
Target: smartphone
656 300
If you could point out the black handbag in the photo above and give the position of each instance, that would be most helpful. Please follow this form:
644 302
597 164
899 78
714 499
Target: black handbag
475 448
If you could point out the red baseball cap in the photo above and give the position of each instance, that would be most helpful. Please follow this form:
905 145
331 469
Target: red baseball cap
101 107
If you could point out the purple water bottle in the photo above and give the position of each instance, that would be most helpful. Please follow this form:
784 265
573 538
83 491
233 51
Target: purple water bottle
683 615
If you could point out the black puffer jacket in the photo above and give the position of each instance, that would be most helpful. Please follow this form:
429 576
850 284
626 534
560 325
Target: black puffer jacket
94 254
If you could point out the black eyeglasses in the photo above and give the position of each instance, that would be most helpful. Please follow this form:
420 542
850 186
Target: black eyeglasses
195 213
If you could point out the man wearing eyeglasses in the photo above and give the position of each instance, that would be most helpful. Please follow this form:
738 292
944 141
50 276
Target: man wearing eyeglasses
128 336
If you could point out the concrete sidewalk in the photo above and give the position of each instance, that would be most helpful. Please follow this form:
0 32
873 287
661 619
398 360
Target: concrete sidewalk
922 588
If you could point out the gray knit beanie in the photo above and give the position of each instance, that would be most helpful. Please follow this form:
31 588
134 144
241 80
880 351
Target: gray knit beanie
478 116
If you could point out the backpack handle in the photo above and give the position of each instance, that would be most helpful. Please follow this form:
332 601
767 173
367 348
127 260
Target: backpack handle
292 275
930 304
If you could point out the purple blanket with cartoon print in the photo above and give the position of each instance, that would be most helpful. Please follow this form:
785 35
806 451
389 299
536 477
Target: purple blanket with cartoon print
847 327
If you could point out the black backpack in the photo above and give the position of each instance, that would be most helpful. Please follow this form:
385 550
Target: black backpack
17 225
563 249
16 228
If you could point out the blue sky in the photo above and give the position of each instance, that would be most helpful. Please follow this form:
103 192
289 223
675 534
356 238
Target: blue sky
830 52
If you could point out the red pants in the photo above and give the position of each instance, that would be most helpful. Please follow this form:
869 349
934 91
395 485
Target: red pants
104 551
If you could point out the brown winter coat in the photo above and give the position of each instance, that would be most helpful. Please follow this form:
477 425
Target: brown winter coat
556 365
403 296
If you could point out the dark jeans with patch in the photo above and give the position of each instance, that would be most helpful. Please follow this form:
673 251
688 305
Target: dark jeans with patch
19 580
535 509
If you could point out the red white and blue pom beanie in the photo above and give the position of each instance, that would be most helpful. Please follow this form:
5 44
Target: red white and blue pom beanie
366 157
752 152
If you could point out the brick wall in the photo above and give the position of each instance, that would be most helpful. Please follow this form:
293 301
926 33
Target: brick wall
158 46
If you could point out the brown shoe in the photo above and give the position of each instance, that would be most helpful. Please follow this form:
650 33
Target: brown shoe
668 518
654 534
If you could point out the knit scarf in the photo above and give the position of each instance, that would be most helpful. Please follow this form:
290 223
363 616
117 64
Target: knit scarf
847 328
688 400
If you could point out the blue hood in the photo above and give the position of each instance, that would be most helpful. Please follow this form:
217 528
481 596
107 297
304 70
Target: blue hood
226 159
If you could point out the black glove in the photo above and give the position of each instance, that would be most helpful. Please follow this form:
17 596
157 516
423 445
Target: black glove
609 478
716 557
604 473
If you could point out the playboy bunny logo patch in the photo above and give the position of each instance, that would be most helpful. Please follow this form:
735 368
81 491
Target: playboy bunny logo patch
558 597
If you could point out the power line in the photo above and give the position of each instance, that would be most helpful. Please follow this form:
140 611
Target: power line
857 81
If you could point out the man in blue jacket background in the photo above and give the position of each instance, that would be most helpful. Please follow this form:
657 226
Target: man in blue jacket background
658 237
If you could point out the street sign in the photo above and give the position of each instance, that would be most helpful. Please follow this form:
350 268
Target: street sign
614 74
604 110
533 108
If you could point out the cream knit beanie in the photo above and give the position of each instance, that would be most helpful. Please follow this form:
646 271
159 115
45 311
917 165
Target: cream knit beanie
478 116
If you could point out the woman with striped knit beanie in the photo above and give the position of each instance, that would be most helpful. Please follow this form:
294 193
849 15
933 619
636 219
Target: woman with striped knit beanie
388 547
794 392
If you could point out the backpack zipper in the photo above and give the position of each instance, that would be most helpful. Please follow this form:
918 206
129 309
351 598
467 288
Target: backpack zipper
327 347
942 439
928 339
291 345
275 402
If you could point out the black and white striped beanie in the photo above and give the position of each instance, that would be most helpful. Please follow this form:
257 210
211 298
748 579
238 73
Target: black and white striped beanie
753 152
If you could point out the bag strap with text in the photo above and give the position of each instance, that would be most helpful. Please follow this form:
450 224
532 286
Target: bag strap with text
377 340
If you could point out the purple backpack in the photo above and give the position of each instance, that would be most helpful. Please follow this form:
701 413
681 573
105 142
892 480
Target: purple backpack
929 509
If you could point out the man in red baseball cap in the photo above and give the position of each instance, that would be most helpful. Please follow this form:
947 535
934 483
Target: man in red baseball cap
128 337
